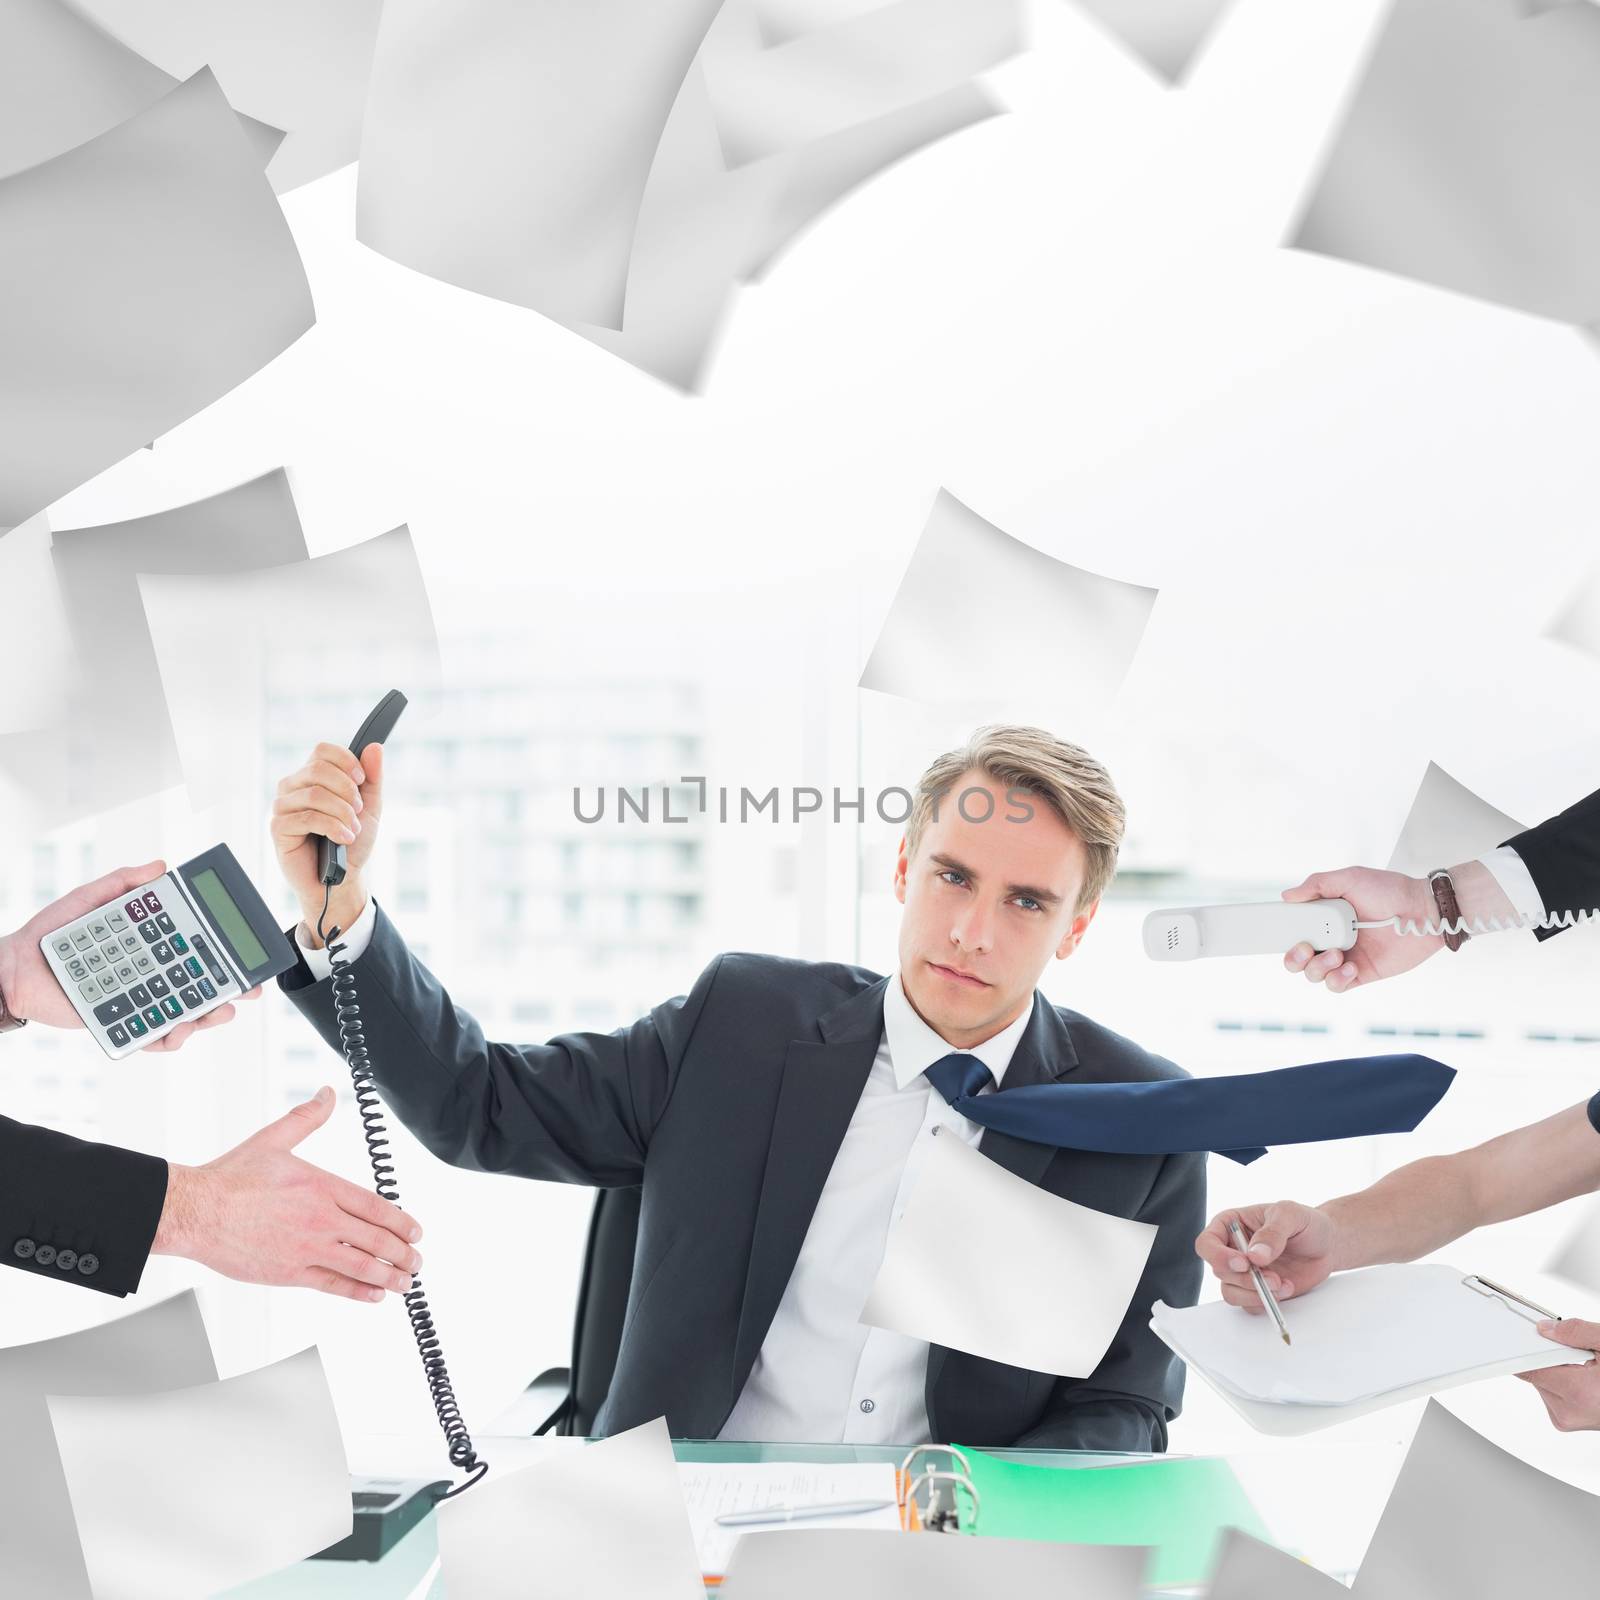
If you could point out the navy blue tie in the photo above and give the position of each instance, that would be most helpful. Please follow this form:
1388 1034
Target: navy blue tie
1238 1117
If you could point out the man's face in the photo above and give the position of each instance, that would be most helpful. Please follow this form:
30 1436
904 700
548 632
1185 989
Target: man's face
987 903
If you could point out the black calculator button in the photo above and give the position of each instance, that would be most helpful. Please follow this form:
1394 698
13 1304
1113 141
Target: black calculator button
176 976
166 924
117 1034
190 997
207 988
179 943
171 1007
152 1015
193 964
136 1027
149 932
139 995
112 1010
152 901
157 986
162 951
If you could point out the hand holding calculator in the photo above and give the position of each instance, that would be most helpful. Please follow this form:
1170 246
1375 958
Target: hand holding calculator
166 952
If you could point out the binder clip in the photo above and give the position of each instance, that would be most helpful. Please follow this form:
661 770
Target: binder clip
931 1495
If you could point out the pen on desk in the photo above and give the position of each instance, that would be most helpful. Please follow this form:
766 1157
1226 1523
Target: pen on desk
835 1508
1255 1276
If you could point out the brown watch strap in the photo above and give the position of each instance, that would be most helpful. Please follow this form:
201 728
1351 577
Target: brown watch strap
1444 896
9 1023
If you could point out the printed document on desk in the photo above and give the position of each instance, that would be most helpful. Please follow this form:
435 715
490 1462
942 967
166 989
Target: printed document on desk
714 1488
1362 1341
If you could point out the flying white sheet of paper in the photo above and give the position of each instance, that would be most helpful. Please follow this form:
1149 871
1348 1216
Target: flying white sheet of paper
1447 823
1365 1340
184 280
163 1346
695 227
1578 1259
961 1267
63 80
177 1495
781 21
1466 159
300 65
229 638
115 757
1469 1519
818 175
712 1489
506 146
36 655
855 71
854 1564
1165 34
605 1520
969 581
1247 1569
1578 621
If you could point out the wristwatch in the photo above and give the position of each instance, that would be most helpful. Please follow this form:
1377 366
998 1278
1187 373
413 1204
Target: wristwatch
9 1023
1444 896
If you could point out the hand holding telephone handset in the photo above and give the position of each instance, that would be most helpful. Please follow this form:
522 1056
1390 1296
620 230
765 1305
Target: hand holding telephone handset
332 866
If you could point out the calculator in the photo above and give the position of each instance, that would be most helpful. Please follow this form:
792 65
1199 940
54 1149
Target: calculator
194 939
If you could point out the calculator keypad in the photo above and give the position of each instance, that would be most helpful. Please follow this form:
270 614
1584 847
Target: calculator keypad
136 972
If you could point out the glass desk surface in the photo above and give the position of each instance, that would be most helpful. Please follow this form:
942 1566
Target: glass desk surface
1320 1500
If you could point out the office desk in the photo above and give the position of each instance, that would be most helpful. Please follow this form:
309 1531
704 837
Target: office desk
1320 1500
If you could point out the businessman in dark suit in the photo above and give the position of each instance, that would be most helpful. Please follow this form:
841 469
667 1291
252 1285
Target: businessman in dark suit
777 1113
1550 873
90 1214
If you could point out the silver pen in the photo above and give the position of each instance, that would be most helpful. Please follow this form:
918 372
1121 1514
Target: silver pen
835 1508
1257 1279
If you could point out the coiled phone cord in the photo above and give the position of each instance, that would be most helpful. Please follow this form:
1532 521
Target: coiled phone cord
1481 925
347 1012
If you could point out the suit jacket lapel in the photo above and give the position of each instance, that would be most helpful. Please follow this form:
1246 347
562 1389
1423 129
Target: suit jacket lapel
821 1086
1044 1054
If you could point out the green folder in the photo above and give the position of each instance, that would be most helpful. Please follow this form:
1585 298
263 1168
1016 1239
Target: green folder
1179 1506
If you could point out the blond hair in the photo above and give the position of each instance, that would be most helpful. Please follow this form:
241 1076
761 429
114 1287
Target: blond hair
1031 761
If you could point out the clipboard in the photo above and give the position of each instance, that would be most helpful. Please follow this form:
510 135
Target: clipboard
1367 1339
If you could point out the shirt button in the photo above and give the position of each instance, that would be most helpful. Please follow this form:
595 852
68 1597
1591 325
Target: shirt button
869 1406
23 1248
88 1265
45 1254
936 1127
66 1260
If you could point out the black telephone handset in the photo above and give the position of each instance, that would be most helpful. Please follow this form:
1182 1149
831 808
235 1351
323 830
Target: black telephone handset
331 859
331 867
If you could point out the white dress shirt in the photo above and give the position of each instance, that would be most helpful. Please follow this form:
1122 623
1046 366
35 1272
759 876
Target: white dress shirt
1510 871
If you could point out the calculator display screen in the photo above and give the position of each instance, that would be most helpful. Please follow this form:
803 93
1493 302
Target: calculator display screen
230 920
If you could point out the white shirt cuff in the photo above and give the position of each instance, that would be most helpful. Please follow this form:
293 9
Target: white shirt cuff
1510 871
355 940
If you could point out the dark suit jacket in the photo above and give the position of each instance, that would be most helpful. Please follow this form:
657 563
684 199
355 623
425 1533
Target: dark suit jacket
1563 858
98 1203
728 1105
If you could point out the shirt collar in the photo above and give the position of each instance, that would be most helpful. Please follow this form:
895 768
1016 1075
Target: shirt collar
914 1046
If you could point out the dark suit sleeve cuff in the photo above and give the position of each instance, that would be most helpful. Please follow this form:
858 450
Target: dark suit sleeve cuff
1594 1113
